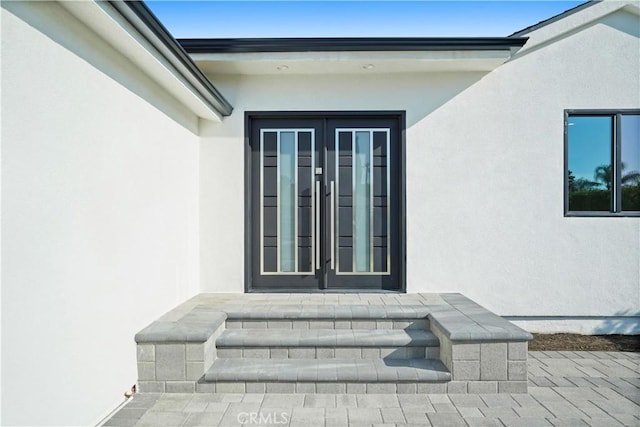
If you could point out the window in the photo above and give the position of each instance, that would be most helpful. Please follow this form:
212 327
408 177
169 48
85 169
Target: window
602 163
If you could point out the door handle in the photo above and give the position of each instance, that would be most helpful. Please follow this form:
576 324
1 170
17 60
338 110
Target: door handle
317 225
333 230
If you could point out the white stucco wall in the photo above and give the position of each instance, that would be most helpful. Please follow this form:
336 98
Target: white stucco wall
484 175
222 149
99 219
499 151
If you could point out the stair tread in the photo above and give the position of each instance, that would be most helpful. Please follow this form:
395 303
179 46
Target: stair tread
328 370
326 338
328 312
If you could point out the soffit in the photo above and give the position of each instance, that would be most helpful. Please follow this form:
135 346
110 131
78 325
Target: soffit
265 63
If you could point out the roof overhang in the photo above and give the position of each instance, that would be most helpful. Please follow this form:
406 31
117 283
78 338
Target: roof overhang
554 18
133 30
349 55
573 20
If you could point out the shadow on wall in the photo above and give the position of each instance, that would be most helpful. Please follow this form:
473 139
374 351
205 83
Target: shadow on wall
625 322
83 42
318 93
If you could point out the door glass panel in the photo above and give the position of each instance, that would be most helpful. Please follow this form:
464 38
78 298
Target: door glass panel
287 201
362 202
630 157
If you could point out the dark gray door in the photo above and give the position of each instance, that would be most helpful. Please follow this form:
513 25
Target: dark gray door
325 197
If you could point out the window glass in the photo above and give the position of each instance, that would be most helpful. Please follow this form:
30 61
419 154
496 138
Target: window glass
630 165
589 157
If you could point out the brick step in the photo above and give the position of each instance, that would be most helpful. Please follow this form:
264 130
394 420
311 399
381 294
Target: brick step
312 316
304 324
314 375
481 351
330 353
326 311
328 344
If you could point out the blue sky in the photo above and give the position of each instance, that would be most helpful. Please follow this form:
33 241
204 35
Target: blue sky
211 19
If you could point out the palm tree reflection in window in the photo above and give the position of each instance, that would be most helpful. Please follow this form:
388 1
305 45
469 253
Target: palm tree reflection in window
587 195
592 141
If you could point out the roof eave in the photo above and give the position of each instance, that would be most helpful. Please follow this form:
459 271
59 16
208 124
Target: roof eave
143 20
554 18
377 44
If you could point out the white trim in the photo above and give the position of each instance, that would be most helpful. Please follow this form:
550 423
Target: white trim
110 25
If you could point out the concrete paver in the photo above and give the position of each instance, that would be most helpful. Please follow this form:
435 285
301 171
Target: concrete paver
568 389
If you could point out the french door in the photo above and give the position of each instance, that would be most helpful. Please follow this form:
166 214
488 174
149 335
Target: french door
325 197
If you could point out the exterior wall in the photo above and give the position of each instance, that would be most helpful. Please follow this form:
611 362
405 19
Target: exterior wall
222 147
484 177
99 220
499 235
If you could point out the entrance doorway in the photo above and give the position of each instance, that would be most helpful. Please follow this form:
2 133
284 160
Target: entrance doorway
326 197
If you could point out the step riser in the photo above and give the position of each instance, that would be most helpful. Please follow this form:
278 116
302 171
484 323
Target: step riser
329 353
328 324
333 388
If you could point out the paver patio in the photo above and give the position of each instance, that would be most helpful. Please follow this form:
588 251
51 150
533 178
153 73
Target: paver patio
565 389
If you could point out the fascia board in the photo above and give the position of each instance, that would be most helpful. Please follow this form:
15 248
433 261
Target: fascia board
116 30
352 56
139 15
349 44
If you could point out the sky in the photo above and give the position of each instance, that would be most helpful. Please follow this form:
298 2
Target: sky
224 19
